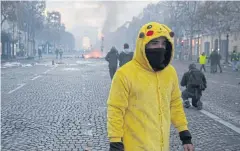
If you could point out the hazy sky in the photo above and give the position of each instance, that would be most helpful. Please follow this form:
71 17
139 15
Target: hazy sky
94 13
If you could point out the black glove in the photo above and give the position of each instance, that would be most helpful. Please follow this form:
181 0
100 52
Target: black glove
116 146
185 137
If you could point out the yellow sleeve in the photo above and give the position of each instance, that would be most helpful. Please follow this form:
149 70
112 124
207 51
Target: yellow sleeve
178 117
116 106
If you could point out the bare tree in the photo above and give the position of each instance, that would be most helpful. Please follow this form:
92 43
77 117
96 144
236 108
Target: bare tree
7 11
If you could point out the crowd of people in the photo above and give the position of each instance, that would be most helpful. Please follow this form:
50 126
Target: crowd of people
215 61
113 57
58 52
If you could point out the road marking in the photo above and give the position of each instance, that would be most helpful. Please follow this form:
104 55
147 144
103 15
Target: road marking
238 78
20 86
88 132
213 81
36 77
230 85
216 118
47 71
225 84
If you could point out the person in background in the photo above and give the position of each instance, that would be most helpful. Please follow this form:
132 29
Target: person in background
57 52
195 82
145 98
112 58
234 60
219 62
202 61
125 56
60 53
39 52
214 59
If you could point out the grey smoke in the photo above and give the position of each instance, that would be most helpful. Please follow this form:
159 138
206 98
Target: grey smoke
113 9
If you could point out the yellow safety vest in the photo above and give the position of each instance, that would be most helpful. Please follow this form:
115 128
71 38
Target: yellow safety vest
203 59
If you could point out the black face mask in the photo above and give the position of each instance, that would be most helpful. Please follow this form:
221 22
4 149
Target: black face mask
156 57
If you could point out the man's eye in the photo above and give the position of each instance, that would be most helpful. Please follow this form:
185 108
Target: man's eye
154 43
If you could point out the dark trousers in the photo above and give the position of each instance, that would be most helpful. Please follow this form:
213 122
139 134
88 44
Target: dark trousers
40 56
112 71
195 95
220 68
203 67
213 68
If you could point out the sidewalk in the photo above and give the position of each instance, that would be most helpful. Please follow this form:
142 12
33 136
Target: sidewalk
15 59
28 59
224 67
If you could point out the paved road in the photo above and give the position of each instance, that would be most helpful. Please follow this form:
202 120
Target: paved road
63 107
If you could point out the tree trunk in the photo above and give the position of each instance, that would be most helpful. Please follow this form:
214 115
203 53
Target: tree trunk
212 44
198 46
227 54
34 43
191 37
25 42
190 53
28 35
3 20
13 41
219 42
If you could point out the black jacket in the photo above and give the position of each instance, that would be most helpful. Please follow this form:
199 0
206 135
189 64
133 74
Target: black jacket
214 58
185 79
124 58
112 58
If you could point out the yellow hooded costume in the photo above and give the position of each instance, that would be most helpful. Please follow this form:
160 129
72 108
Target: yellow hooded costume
142 103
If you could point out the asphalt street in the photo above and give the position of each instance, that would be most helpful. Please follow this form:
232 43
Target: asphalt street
63 107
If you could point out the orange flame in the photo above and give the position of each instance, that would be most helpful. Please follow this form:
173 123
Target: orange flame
93 54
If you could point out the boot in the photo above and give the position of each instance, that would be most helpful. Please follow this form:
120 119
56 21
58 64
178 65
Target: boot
199 105
187 104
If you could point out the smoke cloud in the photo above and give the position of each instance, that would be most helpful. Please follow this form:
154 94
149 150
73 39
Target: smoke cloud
113 10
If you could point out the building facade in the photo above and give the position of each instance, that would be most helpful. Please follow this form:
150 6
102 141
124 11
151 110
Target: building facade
220 43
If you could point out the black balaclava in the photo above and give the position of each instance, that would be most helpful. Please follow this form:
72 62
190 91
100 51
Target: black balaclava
159 58
156 58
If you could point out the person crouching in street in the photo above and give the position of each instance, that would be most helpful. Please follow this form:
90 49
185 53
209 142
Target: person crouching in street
112 58
195 82
145 98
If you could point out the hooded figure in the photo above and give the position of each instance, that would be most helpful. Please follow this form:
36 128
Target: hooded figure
112 58
57 52
214 60
195 82
60 52
40 52
125 56
145 98
219 62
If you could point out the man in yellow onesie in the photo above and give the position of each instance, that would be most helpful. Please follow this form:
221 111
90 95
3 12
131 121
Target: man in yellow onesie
145 98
